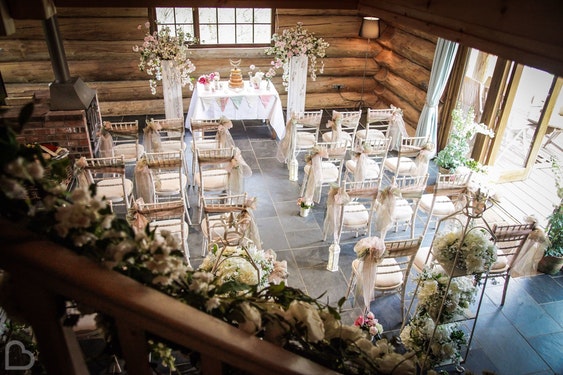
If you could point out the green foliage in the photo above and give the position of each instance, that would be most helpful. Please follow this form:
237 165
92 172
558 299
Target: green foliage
555 223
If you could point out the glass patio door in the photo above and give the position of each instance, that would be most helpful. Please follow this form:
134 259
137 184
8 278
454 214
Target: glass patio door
523 122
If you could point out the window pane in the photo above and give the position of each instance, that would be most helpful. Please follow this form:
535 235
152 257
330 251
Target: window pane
262 34
207 15
184 15
165 15
262 15
207 34
245 15
188 29
226 15
244 33
227 34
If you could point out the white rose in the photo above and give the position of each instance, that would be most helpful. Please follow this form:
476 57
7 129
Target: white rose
308 315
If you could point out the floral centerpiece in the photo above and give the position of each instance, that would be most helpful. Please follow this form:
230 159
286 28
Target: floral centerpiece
246 265
472 252
433 294
162 45
85 225
297 41
301 202
433 345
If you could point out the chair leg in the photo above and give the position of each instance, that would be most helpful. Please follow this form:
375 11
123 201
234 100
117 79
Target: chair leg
351 284
504 290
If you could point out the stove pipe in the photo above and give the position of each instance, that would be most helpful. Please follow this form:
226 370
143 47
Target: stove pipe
67 93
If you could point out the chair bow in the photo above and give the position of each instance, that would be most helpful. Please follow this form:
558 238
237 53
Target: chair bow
315 174
239 170
371 251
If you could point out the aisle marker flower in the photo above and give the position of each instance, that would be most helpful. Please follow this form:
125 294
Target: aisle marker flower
162 45
296 42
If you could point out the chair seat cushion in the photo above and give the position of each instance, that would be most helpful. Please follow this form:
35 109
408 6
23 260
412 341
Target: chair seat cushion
327 137
420 258
370 134
372 168
355 215
130 151
170 183
442 207
173 226
403 210
406 165
501 265
390 276
112 189
213 179
331 173
305 140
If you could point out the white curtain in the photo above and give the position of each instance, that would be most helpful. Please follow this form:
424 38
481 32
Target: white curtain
441 67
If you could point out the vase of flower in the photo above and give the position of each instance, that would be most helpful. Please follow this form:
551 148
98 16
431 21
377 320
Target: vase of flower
304 211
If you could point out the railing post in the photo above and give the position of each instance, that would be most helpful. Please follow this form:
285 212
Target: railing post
134 348
59 348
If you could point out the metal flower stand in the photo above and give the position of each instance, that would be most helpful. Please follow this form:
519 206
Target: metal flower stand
454 237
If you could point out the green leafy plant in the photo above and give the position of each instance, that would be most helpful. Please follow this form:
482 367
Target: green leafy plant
555 222
456 152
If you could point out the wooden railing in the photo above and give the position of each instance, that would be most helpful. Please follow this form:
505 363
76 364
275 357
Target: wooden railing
45 274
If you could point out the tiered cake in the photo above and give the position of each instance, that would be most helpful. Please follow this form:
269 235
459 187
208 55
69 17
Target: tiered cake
235 79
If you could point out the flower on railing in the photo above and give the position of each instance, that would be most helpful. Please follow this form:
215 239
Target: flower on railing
473 252
297 42
162 45
369 324
301 202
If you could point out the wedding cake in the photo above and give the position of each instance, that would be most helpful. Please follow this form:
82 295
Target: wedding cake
235 79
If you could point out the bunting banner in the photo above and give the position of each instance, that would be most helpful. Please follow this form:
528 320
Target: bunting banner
223 103
252 100
265 99
237 100
206 102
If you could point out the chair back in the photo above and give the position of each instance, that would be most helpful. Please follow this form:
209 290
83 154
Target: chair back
378 120
452 184
509 240
411 146
397 262
411 187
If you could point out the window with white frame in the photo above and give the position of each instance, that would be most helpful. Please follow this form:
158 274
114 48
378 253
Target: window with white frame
220 26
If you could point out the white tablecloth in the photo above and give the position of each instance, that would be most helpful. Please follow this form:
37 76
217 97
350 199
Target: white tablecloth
243 104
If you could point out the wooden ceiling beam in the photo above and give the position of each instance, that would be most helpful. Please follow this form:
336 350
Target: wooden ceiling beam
288 4
526 31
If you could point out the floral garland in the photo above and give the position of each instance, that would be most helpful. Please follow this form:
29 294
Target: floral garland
433 294
279 314
297 42
473 252
369 324
162 45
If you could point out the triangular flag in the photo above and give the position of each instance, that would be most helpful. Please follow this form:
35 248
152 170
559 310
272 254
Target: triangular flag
236 101
223 102
206 102
252 100
265 100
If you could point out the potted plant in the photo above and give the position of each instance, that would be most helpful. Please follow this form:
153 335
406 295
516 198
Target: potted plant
552 260
456 152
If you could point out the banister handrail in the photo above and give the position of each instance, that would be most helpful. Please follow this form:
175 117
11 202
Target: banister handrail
57 271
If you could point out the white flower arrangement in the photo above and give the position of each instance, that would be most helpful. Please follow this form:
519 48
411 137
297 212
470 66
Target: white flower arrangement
433 345
473 251
250 266
433 293
297 42
162 45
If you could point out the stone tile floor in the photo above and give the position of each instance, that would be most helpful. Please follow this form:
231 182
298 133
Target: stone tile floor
525 336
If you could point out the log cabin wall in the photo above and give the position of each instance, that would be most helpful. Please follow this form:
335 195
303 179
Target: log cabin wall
98 44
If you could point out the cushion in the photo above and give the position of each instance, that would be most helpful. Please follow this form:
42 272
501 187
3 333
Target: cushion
130 151
355 215
304 140
213 179
442 207
406 165
169 183
420 258
371 134
327 137
393 276
331 173
403 210
372 168
112 190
